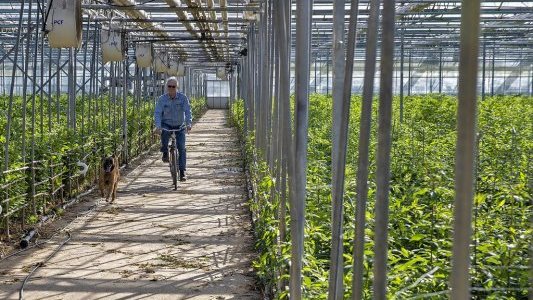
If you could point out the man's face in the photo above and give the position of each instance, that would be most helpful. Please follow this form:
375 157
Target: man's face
172 88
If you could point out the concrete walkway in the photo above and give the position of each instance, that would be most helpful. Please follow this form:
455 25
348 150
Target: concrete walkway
153 242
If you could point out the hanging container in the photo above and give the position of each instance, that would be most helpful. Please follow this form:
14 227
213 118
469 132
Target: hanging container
113 45
161 62
143 55
251 15
221 73
181 70
172 68
64 23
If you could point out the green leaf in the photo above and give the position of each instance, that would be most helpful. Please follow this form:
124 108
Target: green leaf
417 237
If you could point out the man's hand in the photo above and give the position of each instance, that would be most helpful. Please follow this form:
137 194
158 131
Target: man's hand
157 131
188 128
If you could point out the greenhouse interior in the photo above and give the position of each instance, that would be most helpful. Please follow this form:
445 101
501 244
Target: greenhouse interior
358 149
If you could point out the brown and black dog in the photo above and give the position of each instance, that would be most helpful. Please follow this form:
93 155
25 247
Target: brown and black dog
109 176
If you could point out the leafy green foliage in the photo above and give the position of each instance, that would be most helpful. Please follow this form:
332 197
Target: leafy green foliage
421 199
57 147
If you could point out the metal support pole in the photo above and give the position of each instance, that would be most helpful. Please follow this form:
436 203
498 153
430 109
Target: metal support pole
483 71
58 87
383 151
440 71
33 117
342 88
493 69
364 144
125 149
338 153
327 74
465 151
402 52
26 60
287 160
71 90
410 78
303 41
10 107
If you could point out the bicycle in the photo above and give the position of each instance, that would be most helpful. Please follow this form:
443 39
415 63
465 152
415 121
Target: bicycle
173 155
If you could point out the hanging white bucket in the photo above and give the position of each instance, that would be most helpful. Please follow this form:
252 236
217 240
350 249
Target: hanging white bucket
112 45
181 70
161 63
221 73
143 55
249 15
173 68
64 23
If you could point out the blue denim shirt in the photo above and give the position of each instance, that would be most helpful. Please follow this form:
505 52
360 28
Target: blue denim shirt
172 112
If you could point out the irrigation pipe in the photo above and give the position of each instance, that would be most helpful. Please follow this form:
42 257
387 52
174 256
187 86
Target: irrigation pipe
40 264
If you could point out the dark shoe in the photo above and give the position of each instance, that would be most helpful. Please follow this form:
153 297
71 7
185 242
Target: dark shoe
182 176
165 157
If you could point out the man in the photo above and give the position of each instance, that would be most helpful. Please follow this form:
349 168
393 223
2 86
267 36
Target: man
173 111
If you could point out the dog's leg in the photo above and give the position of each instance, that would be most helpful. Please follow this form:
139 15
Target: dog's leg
101 184
114 190
109 192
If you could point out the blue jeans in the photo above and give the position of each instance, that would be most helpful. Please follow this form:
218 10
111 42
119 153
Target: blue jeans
180 143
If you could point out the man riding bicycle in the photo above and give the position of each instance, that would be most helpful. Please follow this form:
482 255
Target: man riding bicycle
173 111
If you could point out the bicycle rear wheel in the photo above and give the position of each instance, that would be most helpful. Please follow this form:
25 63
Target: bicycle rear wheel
174 168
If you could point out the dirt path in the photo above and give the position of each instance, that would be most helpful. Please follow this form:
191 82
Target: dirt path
153 242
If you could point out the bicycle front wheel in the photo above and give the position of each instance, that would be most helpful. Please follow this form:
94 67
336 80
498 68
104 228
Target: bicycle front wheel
174 168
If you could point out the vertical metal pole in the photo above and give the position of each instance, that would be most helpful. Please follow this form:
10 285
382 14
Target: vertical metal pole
49 89
251 76
286 124
440 71
483 70
84 69
493 69
465 151
266 111
338 153
410 79
10 107
124 73
34 86
364 142
315 63
383 151
303 41
58 87
327 74
3 77
521 58
402 60
71 91
531 88
341 114
26 58
41 84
